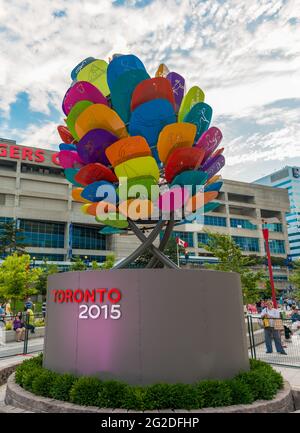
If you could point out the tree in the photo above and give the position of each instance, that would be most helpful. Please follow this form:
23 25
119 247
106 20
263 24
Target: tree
46 270
267 294
109 262
231 259
295 279
95 265
11 239
78 265
170 251
17 280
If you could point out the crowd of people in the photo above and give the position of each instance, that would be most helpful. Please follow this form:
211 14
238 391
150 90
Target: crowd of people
20 321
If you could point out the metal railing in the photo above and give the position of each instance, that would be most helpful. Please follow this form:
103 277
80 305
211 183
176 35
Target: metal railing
275 342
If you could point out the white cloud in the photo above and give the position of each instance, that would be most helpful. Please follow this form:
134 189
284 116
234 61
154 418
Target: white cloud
243 54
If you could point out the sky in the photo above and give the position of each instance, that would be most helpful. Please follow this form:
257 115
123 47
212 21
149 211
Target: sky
244 54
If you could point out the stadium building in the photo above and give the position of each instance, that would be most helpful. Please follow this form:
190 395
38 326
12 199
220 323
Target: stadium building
34 192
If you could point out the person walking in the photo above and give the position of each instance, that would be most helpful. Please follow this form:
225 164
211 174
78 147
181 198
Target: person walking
269 315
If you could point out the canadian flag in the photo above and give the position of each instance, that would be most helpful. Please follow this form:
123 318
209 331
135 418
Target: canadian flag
181 243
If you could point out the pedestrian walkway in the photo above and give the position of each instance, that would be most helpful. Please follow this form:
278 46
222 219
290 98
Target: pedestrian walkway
14 348
292 375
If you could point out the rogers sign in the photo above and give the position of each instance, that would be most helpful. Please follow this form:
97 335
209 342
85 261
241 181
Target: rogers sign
23 153
20 152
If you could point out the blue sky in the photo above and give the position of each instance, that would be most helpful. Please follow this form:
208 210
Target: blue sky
245 55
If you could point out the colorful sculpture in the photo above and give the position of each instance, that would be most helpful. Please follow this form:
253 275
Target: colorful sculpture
138 150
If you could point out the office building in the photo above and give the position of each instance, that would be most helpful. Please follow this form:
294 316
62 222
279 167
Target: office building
289 179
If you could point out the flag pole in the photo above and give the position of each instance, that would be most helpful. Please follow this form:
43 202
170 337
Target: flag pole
177 254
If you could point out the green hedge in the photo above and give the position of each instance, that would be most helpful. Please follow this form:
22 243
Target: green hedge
261 382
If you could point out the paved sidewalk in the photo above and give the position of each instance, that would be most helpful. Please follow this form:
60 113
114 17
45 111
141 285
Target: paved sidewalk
292 375
14 348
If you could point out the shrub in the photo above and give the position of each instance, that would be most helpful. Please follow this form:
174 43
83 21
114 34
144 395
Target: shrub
42 384
86 391
213 393
113 394
28 365
183 396
240 392
261 382
39 322
61 387
157 396
256 364
29 375
21 369
135 398
37 360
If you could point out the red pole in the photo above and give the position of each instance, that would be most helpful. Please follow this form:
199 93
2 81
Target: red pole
266 238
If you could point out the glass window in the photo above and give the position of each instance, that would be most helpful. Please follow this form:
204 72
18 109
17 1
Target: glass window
246 244
88 238
3 221
214 221
42 234
294 234
203 238
242 224
293 241
185 236
276 227
48 257
90 258
276 246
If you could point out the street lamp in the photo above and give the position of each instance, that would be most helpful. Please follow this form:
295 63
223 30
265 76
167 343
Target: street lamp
86 260
266 238
33 258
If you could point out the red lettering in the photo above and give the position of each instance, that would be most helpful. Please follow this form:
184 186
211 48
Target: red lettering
54 159
61 296
89 296
101 294
26 154
3 149
69 295
75 298
39 155
14 152
116 298
55 295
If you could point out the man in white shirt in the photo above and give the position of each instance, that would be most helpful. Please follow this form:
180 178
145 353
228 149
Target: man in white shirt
270 313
